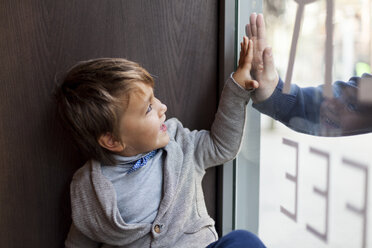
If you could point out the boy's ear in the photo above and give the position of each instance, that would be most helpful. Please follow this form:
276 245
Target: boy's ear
109 142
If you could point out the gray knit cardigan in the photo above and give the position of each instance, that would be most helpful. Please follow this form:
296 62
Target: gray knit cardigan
182 219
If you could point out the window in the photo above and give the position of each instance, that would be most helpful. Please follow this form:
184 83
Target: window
314 191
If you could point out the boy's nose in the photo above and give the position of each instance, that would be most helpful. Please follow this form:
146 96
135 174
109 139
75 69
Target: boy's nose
163 109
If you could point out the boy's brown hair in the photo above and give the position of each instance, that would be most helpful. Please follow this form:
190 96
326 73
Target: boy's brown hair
91 98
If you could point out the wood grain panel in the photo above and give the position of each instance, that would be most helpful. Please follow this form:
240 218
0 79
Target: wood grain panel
176 41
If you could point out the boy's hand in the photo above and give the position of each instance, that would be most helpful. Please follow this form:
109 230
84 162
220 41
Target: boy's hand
263 67
243 74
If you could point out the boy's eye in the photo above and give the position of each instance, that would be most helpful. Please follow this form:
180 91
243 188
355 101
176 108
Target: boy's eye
149 108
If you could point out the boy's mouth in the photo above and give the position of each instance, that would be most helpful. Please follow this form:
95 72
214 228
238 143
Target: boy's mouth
163 127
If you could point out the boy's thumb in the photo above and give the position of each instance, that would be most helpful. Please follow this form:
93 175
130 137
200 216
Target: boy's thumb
268 59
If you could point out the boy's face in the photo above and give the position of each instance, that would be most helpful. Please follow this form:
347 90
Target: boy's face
142 126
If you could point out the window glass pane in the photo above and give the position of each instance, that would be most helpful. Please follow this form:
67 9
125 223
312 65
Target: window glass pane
314 189
247 162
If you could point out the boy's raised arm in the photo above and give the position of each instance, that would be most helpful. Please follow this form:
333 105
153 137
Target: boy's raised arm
222 143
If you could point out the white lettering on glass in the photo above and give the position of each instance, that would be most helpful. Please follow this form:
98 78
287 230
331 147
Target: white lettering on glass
361 211
364 210
294 179
323 193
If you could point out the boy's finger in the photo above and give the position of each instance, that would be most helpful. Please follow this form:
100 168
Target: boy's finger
250 52
252 24
241 53
245 45
248 31
251 84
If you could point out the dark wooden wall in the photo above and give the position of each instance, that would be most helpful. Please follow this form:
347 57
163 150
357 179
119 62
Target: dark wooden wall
176 41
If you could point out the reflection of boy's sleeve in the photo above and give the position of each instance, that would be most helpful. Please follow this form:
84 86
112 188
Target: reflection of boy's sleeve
298 110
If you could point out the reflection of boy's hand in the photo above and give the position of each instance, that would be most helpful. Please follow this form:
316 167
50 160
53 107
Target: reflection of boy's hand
344 115
243 74
263 67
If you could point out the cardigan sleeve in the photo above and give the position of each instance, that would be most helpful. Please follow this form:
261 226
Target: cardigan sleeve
222 142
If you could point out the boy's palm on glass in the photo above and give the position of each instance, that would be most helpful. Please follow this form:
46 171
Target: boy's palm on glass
243 74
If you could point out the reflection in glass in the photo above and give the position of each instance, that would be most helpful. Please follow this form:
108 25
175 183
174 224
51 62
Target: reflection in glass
345 114
307 111
342 115
312 112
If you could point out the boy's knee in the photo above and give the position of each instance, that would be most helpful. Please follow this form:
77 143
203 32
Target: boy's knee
247 239
239 238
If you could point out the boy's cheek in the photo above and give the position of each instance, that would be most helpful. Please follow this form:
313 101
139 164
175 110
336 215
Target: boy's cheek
167 137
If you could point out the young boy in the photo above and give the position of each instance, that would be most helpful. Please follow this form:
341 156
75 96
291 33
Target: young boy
142 187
